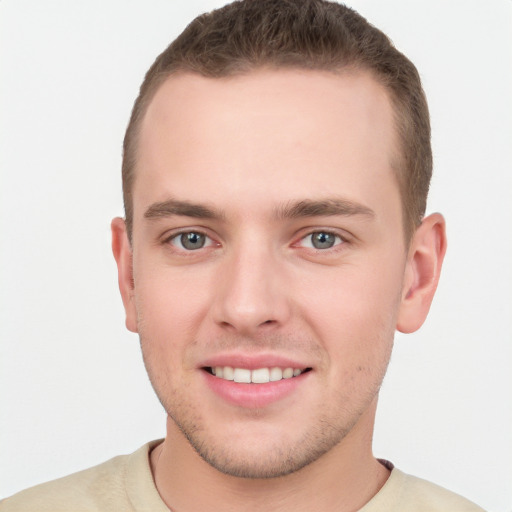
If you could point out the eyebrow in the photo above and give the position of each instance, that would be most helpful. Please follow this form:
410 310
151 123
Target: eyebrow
291 210
173 207
325 207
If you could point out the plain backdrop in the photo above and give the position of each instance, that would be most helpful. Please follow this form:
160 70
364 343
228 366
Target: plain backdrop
73 389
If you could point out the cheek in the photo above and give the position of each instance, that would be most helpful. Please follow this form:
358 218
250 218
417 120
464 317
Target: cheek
354 314
166 323
167 291
169 305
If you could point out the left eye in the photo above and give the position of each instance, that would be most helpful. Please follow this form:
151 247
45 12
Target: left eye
321 240
191 240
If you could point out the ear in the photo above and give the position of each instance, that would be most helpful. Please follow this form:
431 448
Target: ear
423 268
122 250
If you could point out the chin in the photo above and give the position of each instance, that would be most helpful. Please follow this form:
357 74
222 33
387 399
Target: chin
262 465
260 456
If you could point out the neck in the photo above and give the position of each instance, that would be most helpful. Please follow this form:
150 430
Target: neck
344 479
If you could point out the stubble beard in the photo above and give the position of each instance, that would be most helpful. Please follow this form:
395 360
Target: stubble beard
271 461
278 458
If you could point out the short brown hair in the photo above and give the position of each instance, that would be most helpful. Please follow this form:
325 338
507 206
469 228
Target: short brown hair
307 34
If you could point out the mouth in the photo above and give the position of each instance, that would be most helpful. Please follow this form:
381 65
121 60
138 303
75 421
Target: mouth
254 381
255 376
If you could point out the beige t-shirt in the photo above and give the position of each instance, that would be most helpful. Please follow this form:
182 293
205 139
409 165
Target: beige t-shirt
125 484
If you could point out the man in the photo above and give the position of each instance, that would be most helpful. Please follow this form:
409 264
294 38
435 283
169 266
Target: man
275 174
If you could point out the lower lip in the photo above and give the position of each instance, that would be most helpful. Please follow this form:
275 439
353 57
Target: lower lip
253 396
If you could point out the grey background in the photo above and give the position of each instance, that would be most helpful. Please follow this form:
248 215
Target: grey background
73 389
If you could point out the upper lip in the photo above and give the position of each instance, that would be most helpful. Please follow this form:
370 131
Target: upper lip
252 361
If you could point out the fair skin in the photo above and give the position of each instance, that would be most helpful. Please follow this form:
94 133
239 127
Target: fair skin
267 234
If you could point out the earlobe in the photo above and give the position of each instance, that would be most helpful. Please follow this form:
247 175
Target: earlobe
122 250
423 268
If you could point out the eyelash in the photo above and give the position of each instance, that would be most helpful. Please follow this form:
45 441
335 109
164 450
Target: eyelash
339 240
177 236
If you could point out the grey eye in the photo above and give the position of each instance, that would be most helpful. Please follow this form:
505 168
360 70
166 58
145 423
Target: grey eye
323 240
192 240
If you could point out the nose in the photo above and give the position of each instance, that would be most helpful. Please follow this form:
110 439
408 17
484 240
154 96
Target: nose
251 295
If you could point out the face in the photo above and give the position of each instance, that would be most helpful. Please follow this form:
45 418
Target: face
267 242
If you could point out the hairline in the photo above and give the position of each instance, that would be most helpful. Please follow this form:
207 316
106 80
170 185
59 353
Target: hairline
396 156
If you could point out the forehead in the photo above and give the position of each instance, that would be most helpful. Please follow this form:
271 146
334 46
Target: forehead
279 132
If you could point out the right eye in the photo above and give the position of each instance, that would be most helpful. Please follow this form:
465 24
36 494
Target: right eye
190 240
321 240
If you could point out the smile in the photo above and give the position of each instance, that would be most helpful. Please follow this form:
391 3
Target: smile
256 376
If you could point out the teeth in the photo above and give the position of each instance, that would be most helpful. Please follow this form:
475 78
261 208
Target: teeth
229 374
287 373
275 374
242 375
258 376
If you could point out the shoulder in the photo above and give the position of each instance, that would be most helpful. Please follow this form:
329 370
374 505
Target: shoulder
404 492
434 497
102 487
92 489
